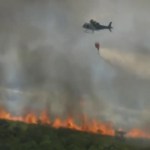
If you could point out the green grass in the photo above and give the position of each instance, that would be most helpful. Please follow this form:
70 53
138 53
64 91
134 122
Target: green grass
21 136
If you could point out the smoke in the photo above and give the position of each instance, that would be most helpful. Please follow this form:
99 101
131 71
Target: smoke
48 62
38 59
131 86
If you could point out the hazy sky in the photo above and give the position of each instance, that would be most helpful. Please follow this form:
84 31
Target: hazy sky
46 58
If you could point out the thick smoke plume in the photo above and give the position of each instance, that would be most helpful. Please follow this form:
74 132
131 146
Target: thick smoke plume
41 67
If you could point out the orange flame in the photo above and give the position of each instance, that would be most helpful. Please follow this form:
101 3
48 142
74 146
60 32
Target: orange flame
86 124
138 133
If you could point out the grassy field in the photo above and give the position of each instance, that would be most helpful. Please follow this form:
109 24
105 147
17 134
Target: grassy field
21 136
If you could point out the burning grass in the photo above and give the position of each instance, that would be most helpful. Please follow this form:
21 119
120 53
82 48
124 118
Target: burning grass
86 125
19 135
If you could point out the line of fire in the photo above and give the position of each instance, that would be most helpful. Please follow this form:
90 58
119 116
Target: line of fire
85 125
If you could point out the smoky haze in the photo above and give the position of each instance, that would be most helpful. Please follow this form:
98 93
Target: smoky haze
48 62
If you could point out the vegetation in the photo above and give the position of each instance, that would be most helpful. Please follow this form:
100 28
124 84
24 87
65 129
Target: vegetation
21 136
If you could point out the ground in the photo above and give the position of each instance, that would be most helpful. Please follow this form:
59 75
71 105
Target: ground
21 136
